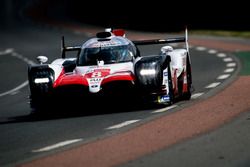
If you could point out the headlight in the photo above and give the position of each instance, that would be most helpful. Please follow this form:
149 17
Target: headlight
41 80
147 72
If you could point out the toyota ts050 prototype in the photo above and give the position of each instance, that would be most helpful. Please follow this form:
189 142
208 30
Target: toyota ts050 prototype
110 66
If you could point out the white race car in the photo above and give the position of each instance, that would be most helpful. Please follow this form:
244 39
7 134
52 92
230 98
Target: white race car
110 67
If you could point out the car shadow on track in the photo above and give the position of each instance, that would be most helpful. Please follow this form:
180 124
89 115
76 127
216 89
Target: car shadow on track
77 111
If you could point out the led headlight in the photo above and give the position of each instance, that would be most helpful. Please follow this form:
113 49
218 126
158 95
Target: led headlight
147 72
41 80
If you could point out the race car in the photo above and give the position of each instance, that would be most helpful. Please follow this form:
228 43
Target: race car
110 67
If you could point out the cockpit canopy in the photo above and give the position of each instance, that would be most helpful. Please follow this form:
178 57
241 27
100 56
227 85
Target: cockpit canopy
109 55
111 49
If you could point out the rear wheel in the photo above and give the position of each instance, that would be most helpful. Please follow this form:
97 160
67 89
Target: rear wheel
187 95
170 87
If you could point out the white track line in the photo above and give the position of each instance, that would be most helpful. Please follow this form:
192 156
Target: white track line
164 109
223 76
213 85
196 95
6 51
126 123
228 59
200 48
212 51
221 55
12 91
231 64
57 145
228 70
19 56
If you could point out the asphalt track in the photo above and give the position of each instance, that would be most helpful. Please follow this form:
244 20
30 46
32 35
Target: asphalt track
25 137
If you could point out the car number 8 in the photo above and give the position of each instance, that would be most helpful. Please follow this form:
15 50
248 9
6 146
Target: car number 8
96 74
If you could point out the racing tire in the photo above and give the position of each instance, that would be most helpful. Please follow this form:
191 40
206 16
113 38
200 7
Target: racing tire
187 95
151 81
170 86
38 105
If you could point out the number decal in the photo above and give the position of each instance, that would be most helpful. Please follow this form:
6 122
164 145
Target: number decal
96 74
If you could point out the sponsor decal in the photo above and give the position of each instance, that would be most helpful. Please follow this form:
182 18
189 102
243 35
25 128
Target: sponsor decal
165 77
105 44
94 84
165 73
95 79
164 98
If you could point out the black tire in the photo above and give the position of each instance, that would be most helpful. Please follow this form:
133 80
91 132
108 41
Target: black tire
170 85
38 104
187 95
39 92
149 82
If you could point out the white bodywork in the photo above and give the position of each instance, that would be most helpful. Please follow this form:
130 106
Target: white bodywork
157 78
95 74
177 65
178 59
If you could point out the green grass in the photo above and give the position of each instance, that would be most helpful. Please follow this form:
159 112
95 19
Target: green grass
223 33
245 60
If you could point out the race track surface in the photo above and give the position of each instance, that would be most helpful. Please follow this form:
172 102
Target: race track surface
25 137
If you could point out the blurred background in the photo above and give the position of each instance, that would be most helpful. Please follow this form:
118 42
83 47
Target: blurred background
154 15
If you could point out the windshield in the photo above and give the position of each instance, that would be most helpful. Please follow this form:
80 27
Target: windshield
109 55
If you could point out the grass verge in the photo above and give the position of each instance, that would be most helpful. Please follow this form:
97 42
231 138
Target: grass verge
245 60
223 33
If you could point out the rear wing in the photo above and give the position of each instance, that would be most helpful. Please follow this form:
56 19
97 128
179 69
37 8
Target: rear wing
160 41
165 41
64 48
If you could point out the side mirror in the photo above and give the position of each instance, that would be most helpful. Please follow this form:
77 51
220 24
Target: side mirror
42 59
100 63
166 49
69 65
